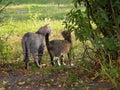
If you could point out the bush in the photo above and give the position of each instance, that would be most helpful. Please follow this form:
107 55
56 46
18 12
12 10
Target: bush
98 24
5 49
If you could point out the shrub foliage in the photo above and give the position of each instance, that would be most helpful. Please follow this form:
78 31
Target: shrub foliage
98 22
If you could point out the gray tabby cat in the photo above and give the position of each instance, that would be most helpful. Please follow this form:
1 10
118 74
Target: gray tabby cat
34 43
59 48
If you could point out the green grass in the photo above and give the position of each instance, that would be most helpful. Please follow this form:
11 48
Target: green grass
39 1
37 11
29 18
20 27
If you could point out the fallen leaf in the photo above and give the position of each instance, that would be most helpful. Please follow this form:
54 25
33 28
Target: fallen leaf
21 83
27 87
2 88
44 65
5 73
59 85
48 85
4 83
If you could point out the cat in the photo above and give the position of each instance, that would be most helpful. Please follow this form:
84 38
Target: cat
34 43
58 48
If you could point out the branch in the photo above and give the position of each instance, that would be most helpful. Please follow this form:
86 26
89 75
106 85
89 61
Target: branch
90 11
5 6
113 13
114 19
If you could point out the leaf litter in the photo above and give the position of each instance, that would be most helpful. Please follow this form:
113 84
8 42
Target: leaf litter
52 78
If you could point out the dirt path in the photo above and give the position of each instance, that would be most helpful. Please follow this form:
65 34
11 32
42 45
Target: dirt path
20 79
13 80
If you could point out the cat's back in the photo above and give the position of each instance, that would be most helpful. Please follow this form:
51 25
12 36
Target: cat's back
59 44
32 36
34 39
59 47
54 42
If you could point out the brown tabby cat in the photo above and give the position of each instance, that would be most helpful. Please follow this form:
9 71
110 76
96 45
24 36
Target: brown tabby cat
58 48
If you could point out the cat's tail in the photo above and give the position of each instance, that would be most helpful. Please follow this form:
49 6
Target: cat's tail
26 47
47 41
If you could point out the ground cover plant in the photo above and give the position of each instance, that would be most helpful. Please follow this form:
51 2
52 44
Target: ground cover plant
22 16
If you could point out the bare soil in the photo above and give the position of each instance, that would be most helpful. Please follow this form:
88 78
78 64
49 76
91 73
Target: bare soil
52 79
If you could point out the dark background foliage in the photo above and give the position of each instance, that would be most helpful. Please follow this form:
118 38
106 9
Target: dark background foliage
99 23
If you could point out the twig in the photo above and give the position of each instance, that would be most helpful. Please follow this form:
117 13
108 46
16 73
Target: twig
114 19
5 6
90 11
